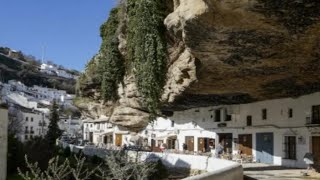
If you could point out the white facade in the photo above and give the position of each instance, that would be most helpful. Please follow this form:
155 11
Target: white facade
34 124
201 123
102 132
71 127
279 131
52 70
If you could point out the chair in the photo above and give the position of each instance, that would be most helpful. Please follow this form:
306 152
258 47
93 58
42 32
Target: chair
238 158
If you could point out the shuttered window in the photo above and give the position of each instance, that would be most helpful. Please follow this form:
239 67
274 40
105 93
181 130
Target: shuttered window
316 114
290 147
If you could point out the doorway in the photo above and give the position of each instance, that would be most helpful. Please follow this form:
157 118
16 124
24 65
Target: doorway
190 143
245 144
118 140
316 151
226 141
265 148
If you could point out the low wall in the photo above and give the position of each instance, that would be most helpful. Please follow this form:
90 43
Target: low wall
233 172
217 169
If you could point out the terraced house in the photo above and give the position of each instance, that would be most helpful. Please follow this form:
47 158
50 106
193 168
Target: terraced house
279 131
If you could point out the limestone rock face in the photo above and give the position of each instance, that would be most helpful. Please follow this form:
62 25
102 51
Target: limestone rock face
242 51
231 51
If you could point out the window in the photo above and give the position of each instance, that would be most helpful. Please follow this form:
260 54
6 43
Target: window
290 147
27 118
217 115
264 114
249 120
290 113
31 119
229 117
172 123
316 114
26 137
26 129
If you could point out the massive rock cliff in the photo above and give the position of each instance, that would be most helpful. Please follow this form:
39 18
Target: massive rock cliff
231 51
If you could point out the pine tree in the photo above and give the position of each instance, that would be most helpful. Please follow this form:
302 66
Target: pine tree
53 129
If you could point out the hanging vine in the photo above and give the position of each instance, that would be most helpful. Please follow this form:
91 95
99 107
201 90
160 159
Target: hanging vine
147 49
111 66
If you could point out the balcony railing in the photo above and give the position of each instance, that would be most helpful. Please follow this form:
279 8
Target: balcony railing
312 121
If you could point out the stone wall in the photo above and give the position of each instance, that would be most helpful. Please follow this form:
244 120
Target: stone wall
3 142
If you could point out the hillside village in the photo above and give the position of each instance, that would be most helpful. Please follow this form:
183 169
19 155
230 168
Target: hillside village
203 89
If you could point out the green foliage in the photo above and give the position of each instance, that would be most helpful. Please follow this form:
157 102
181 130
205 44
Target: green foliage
147 49
53 129
111 65
161 171
15 155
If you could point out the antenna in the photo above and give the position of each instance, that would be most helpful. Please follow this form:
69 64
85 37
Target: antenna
43 53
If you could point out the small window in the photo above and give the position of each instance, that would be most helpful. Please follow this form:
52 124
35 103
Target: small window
290 113
264 114
172 123
26 137
229 117
27 119
31 119
249 120
90 125
217 115
290 147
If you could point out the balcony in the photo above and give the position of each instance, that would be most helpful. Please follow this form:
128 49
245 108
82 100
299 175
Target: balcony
312 121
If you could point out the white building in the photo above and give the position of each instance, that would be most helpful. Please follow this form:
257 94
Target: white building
49 93
34 124
279 131
101 131
52 70
71 127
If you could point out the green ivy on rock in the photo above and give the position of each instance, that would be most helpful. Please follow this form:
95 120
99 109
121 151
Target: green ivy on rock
111 65
147 49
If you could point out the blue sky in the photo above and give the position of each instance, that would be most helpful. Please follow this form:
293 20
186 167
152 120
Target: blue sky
68 28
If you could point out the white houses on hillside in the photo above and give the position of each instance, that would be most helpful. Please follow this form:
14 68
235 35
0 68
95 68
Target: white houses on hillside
53 70
279 131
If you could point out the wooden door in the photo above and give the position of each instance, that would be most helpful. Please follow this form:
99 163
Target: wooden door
201 144
316 151
245 144
190 143
118 139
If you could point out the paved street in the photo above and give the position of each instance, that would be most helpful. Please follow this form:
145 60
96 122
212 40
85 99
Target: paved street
262 171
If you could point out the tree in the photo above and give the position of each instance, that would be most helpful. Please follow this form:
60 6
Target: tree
16 123
53 129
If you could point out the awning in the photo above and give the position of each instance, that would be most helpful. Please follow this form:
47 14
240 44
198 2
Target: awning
166 136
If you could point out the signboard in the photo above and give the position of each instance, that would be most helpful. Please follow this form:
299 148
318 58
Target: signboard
222 125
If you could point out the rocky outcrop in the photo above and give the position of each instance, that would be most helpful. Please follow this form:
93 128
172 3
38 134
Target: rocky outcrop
243 51
232 51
